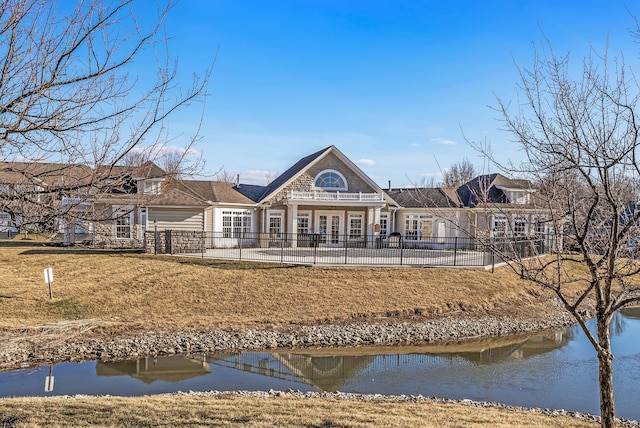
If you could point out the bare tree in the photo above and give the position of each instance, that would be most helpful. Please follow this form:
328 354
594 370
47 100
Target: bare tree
581 140
70 98
458 174
225 176
269 176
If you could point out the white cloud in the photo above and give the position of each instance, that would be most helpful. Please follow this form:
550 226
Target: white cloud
366 162
159 150
415 145
256 176
443 141
431 174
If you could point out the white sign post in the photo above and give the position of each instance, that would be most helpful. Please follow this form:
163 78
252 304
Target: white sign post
48 382
48 278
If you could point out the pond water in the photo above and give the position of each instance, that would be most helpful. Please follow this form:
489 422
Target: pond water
556 369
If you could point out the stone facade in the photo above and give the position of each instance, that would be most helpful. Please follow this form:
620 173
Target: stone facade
304 183
173 242
105 237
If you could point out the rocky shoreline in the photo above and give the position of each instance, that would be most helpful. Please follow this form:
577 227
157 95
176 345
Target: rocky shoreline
39 347
42 346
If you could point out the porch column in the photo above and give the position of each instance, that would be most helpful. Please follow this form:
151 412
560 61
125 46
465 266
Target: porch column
292 224
373 218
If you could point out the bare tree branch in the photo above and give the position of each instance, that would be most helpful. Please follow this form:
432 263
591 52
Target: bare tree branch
73 105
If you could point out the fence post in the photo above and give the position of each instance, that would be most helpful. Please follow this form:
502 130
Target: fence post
401 245
493 254
155 237
168 247
240 244
455 251
316 243
281 249
346 244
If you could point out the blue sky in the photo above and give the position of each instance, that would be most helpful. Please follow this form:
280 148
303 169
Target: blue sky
395 85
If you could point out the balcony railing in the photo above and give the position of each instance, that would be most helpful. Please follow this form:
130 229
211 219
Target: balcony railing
337 196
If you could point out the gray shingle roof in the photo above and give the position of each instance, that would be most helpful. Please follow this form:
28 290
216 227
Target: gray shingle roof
198 193
485 189
48 175
290 173
425 197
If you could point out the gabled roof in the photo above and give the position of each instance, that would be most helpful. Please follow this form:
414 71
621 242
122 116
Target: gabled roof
291 173
299 167
147 170
489 189
425 197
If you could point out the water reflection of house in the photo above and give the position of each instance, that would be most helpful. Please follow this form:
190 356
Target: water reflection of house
327 373
331 372
522 350
149 369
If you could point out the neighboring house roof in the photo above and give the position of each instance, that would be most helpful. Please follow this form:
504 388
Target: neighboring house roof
489 189
425 197
197 193
147 170
217 191
46 175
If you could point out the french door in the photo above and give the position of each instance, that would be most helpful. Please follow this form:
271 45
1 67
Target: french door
330 229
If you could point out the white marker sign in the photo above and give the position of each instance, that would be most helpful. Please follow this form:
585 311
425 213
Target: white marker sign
48 384
48 278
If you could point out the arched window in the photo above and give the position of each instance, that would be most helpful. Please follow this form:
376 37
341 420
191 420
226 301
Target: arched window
330 180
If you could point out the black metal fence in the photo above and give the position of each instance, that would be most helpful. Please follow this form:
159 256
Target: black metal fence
335 249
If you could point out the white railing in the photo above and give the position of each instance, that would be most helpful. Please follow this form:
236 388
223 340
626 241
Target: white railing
337 196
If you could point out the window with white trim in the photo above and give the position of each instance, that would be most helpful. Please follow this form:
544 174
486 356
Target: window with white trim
499 227
411 228
418 227
303 223
519 226
384 224
123 221
150 187
540 225
235 223
356 221
275 221
330 180
426 229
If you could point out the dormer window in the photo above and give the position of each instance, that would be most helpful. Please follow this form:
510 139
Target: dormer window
330 180
518 197
151 187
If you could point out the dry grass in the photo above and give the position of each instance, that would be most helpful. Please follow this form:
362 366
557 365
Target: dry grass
193 411
136 291
174 292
